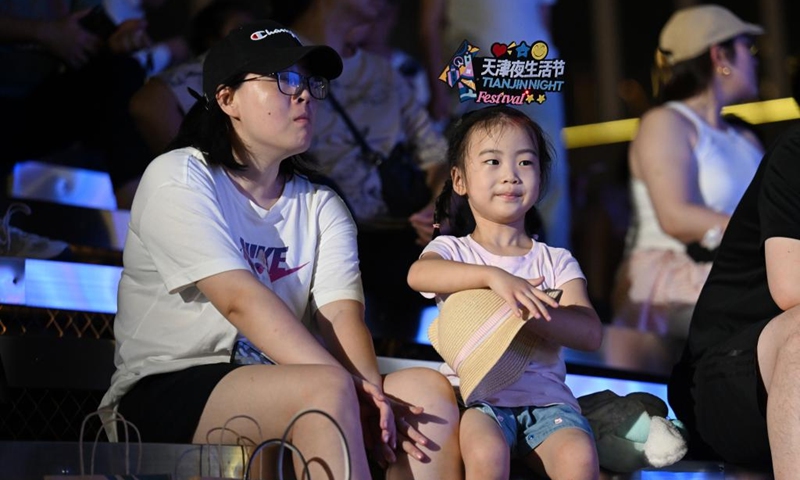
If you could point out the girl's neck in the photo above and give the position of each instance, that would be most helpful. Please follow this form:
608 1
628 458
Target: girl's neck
502 239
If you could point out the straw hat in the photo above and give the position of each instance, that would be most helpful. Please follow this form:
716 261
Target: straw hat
693 30
483 341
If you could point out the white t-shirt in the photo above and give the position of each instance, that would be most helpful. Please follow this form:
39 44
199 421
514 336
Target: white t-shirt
543 382
188 222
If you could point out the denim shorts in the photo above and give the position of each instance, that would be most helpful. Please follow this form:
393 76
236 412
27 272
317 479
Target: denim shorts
527 427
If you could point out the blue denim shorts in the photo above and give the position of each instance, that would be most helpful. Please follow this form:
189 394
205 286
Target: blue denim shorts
526 427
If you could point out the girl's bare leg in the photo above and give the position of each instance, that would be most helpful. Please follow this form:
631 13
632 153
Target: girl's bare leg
439 423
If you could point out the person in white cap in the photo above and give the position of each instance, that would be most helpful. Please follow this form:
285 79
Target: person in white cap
689 167
241 293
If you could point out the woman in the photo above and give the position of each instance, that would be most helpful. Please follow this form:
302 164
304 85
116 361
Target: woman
689 167
241 294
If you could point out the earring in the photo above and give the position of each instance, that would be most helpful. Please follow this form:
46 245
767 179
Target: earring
725 71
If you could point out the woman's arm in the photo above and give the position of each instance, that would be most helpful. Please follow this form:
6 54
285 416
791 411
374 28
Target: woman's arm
341 324
661 156
261 316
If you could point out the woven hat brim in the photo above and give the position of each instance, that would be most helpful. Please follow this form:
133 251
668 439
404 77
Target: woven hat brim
498 360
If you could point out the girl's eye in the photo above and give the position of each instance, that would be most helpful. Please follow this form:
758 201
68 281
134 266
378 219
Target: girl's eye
526 163
492 161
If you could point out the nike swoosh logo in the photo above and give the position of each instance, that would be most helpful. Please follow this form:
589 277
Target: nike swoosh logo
278 274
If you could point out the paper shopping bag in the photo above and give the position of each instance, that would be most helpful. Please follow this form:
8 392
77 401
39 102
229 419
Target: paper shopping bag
216 460
107 417
254 465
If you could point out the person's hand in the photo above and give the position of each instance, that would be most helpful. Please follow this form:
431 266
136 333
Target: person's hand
377 421
422 222
69 41
130 36
408 435
523 296
386 422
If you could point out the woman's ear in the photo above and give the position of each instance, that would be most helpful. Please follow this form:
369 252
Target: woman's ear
459 181
224 99
720 58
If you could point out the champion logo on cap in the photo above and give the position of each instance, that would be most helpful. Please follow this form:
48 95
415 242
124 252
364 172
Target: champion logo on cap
262 34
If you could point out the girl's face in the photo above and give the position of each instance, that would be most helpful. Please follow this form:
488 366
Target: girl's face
501 173
268 120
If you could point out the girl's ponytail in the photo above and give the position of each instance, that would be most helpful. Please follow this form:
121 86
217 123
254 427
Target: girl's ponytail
441 210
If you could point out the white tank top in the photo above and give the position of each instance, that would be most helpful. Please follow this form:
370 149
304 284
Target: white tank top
726 163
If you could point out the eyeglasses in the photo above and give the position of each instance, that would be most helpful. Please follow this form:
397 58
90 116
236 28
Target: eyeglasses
293 83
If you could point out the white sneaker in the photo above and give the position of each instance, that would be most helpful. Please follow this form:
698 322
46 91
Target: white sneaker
17 243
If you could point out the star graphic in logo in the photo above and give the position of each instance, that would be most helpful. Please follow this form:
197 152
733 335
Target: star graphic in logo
541 98
523 49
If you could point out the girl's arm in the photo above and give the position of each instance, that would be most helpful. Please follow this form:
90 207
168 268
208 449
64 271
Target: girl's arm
432 273
574 324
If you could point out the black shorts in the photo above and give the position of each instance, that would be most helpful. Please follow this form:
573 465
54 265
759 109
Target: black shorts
166 408
730 400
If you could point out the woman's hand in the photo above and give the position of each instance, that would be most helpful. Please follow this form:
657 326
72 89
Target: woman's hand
377 421
385 421
523 296
408 435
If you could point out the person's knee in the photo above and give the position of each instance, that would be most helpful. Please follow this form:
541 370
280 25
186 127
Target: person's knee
574 456
334 383
423 387
485 460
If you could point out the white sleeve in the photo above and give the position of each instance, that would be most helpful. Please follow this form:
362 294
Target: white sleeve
187 237
337 275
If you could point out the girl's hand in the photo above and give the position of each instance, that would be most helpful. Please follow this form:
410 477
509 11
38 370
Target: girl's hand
523 296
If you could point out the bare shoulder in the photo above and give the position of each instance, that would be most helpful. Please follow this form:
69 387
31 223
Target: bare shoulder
666 122
665 137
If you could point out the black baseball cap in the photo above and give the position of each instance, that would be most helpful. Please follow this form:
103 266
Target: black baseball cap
264 47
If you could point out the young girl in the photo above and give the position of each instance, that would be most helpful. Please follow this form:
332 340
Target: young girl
499 164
